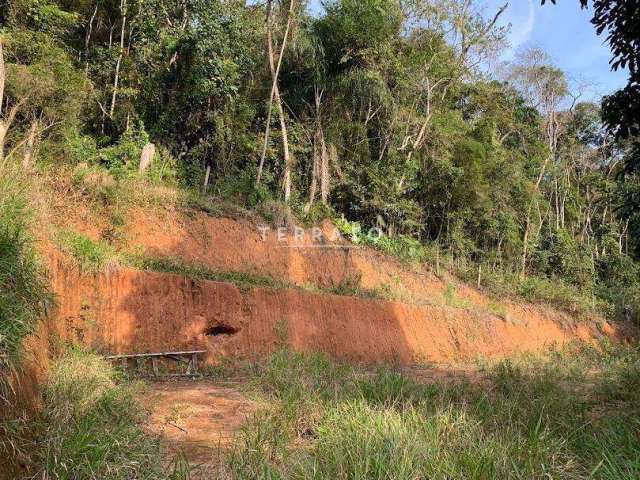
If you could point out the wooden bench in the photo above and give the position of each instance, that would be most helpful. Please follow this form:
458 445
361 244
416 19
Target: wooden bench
188 358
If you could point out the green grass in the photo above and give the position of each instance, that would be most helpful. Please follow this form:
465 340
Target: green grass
91 256
571 415
349 288
92 426
451 299
23 291
180 267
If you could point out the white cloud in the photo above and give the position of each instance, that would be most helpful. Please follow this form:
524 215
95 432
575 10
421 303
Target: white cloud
521 31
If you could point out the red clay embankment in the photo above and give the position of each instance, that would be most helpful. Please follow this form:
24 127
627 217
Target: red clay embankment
128 311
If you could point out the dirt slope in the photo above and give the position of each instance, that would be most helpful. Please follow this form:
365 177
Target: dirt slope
129 311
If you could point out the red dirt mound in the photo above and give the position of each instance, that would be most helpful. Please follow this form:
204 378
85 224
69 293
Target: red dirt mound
245 246
129 311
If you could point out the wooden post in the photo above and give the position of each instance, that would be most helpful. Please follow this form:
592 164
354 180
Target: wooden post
206 179
154 364
194 364
146 157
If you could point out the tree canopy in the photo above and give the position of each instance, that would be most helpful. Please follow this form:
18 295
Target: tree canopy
376 111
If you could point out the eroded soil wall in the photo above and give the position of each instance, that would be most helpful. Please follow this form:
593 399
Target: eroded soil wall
128 311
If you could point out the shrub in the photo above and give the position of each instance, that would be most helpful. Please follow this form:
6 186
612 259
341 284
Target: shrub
93 426
22 288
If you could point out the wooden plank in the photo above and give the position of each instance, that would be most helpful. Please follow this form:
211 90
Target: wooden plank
161 354
189 358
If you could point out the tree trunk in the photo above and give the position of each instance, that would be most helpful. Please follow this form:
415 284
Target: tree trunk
325 179
3 134
525 245
315 167
27 160
525 240
275 72
3 76
286 180
146 157
87 40
123 8
205 185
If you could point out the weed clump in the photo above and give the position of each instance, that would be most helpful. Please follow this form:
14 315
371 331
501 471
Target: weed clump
92 425
91 256
545 417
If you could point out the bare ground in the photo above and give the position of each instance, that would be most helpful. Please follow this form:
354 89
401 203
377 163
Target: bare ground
197 419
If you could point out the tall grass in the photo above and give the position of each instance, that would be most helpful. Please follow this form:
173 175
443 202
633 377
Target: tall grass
536 418
22 289
89 255
92 426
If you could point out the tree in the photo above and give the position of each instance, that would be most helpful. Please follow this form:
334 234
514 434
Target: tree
545 87
42 90
620 19
274 68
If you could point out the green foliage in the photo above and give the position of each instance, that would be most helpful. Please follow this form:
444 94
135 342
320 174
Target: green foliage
89 255
561 255
180 267
23 293
541 418
402 246
123 157
620 286
351 28
387 124
43 85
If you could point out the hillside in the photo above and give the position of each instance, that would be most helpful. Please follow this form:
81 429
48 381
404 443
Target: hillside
341 239
314 296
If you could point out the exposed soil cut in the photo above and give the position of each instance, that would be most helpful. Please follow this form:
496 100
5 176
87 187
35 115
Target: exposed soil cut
128 311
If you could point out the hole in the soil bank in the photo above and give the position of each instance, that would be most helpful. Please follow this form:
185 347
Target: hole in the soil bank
220 330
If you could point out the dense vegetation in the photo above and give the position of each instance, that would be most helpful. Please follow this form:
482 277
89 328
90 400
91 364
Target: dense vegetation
90 426
376 110
22 289
572 415
375 113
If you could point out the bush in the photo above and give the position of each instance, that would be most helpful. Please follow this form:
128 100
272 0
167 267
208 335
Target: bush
403 247
619 285
22 288
93 426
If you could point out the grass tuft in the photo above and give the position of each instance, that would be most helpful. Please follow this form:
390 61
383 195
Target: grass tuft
93 426
550 417
23 291
91 256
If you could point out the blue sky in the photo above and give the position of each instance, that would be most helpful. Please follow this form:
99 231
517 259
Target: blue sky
562 30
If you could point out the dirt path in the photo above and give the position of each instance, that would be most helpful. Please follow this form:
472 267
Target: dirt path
202 418
197 418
